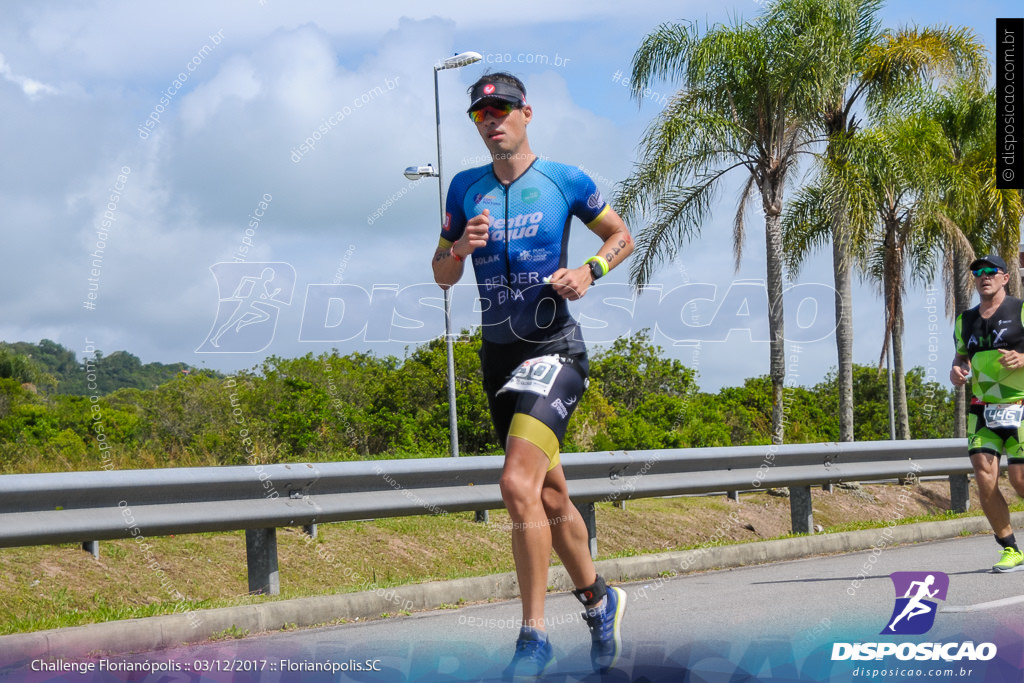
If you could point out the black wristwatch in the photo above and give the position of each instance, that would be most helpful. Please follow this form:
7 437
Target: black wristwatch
595 271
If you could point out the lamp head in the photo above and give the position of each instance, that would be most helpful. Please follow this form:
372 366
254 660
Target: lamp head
417 172
458 61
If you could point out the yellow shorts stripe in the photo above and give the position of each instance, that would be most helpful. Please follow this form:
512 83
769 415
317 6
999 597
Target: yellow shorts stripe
529 428
444 244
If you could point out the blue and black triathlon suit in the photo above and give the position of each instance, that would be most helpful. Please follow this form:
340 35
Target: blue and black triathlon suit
523 318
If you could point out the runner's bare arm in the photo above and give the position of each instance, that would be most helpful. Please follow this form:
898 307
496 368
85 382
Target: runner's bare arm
573 283
960 371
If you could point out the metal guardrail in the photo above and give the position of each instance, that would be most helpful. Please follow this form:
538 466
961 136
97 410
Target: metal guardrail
40 509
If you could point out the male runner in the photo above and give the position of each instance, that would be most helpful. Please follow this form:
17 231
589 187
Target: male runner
512 219
990 340
915 606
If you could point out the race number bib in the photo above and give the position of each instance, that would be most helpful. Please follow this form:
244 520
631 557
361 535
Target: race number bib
536 375
1003 414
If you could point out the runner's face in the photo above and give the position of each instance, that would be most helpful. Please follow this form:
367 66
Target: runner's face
990 285
505 135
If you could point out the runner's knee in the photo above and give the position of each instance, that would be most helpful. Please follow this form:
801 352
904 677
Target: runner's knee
519 490
556 501
987 483
513 486
1015 474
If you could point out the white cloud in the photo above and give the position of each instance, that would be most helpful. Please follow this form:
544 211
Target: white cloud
237 79
228 137
29 86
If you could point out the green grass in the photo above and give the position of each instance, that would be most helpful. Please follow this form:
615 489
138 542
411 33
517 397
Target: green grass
232 632
917 519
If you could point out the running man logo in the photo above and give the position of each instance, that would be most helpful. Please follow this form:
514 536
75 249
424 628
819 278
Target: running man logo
247 317
914 612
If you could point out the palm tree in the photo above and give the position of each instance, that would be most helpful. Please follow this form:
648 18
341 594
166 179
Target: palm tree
736 109
974 215
887 178
862 63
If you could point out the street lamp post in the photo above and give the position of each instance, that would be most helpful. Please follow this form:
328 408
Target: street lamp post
414 173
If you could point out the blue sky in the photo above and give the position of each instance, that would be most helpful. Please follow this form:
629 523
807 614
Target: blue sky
79 81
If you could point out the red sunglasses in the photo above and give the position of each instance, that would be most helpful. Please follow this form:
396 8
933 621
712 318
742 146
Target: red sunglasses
496 110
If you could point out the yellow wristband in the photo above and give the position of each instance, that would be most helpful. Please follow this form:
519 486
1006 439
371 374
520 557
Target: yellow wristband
600 260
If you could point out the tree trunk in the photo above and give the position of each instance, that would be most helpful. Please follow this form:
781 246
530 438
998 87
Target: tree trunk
961 302
1012 258
844 329
892 287
836 129
899 376
776 326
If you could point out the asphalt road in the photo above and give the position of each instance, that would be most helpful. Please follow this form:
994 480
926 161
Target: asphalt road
769 622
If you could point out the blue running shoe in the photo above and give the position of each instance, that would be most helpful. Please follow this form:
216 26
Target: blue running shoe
533 656
606 630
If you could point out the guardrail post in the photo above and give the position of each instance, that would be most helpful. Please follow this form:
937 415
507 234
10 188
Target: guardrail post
733 496
586 511
800 509
92 547
310 530
482 516
959 492
261 555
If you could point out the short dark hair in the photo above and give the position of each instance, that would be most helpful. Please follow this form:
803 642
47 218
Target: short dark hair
500 77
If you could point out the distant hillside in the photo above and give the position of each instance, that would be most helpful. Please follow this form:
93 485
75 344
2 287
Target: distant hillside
49 363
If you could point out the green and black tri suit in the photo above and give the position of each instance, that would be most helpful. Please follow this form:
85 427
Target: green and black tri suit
980 339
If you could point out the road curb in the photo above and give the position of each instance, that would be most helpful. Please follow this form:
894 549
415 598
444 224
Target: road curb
151 633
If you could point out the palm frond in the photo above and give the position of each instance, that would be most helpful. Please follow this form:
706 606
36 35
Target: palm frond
738 227
909 56
678 214
662 54
806 225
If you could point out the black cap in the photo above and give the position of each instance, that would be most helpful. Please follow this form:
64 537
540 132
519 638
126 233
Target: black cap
496 90
990 260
